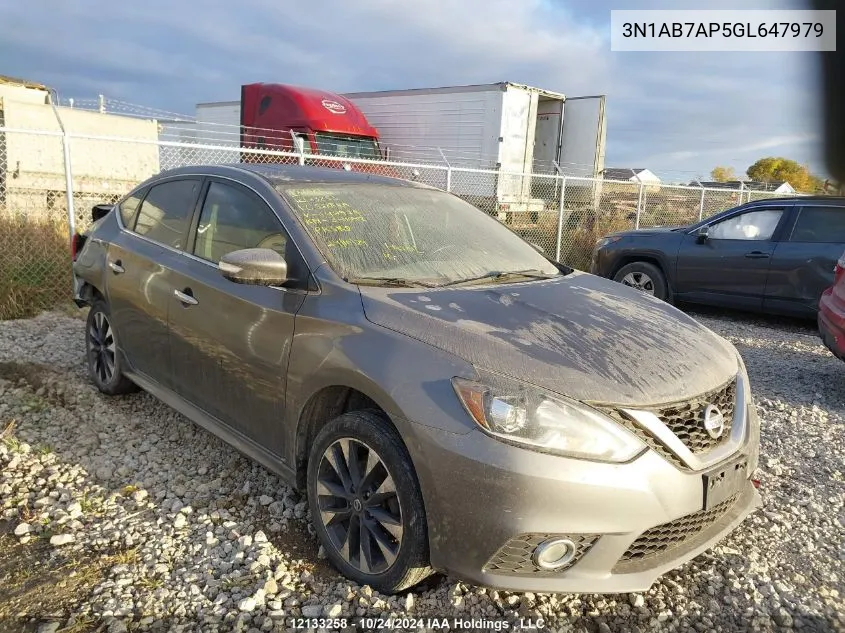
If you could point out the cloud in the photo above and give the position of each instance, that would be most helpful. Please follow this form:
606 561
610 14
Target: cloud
674 113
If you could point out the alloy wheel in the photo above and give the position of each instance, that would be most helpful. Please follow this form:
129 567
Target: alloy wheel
359 506
640 281
101 347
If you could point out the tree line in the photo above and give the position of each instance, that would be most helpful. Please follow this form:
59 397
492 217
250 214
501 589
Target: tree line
776 169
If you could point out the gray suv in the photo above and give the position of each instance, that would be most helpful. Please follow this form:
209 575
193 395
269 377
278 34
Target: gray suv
448 397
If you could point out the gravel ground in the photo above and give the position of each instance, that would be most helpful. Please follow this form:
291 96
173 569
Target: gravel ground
119 514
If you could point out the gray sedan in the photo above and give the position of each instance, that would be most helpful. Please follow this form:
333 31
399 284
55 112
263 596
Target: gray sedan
448 397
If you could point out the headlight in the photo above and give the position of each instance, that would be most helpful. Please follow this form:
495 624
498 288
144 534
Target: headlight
520 413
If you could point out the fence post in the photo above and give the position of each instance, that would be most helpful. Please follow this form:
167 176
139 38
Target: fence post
299 144
639 203
448 170
701 206
560 212
71 214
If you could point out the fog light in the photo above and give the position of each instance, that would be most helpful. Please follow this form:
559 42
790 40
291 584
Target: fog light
554 553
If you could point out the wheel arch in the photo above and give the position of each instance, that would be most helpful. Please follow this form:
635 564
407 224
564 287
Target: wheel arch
326 403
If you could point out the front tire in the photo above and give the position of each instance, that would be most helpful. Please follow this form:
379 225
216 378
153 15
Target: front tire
366 503
645 277
105 364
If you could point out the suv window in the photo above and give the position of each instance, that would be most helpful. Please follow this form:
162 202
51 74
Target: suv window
166 212
755 225
233 218
819 224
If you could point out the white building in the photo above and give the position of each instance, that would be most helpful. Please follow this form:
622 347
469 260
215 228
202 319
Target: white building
638 175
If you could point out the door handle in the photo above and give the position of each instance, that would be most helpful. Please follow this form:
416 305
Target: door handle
116 267
184 298
757 255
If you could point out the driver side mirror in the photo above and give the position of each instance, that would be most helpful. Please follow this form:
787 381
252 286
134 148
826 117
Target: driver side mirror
702 234
254 266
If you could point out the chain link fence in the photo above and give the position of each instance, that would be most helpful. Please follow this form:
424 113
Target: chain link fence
41 163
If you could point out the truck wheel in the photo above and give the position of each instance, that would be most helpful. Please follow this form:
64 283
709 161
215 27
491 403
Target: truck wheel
645 277
366 504
103 354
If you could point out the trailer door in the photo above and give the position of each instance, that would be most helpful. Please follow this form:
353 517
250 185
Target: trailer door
583 136
516 150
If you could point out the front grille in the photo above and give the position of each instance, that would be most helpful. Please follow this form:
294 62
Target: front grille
660 539
686 420
514 557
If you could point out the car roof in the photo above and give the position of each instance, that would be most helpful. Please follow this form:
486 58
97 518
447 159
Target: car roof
287 174
835 200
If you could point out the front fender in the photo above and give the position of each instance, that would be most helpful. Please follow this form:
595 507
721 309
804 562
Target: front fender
408 379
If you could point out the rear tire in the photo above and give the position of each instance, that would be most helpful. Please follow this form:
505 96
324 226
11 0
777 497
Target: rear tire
102 353
644 277
366 503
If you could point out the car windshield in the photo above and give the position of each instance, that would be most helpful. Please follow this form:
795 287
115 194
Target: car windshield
395 235
346 146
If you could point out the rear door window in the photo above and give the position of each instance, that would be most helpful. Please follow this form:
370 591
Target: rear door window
819 224
165 214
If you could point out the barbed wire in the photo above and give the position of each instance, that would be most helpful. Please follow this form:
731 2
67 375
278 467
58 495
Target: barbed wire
124 108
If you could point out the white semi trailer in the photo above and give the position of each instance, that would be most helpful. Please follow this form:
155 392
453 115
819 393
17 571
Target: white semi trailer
507 127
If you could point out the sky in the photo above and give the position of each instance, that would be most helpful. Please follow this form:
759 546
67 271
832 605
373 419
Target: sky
678 114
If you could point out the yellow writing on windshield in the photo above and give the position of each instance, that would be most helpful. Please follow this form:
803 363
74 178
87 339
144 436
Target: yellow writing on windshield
334 220
344 215
345 243
325 214
391 250
335 228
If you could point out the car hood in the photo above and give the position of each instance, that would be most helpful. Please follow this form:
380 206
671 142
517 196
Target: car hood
578 335
656 230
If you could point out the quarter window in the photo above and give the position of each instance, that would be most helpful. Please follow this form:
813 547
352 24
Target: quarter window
166 212
754 225
129 207
820 225
233 218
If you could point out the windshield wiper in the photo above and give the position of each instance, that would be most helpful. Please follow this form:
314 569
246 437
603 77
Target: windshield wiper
398 282
498 275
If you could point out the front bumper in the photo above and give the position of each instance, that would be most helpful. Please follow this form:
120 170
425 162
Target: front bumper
491 503
602 261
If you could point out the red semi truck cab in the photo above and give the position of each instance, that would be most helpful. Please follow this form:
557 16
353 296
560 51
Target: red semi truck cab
323 122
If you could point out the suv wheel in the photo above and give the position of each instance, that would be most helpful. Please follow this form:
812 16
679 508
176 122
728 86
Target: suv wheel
366 503
102 352
645 277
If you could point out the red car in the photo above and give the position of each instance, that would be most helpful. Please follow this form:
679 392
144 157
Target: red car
832 312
